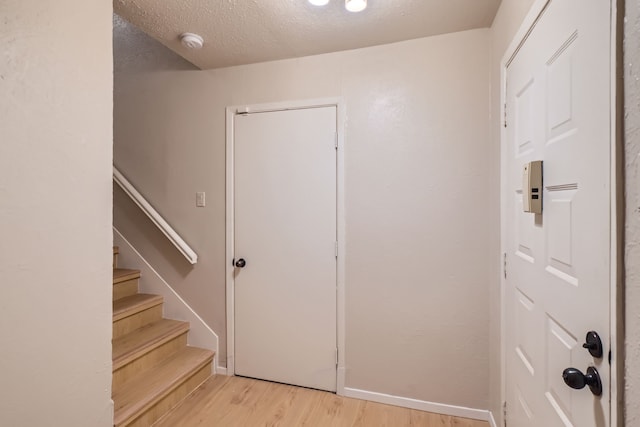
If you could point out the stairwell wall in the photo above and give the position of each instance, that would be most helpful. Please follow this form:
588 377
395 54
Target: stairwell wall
420 227
55 213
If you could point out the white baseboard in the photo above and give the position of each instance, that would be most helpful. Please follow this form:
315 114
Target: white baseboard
492 421
421 405
221 370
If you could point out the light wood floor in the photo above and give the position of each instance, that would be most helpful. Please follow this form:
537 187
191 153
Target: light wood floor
235 401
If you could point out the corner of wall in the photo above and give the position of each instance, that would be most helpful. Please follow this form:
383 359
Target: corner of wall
632 221
492 420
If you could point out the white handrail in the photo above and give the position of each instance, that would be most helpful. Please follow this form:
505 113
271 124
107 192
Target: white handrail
154 216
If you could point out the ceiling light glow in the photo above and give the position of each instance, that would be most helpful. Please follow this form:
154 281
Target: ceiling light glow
319 2
355 5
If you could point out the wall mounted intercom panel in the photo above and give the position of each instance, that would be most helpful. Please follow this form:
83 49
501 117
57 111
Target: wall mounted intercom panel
532 187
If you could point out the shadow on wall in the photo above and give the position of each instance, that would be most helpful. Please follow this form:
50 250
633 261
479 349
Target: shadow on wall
134 50
140 231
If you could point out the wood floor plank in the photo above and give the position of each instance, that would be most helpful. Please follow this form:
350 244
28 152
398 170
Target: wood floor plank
237 401
336 411
376 414
421 418
242 401
292 410
281 406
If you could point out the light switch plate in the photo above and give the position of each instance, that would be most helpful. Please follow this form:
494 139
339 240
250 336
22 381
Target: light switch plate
200 199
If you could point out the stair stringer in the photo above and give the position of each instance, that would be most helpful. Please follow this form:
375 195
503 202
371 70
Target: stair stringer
200 334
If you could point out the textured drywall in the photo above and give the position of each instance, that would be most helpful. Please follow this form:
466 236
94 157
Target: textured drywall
136 51
243 32
420 226
506 23
55 213
632 228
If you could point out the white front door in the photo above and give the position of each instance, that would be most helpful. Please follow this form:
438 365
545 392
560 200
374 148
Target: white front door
285 234
558 273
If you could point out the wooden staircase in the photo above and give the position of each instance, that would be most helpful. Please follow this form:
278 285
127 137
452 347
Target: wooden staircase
153 368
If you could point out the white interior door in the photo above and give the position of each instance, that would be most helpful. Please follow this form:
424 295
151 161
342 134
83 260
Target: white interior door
558 274
285 231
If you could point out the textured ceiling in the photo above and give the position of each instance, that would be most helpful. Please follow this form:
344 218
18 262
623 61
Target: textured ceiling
239 32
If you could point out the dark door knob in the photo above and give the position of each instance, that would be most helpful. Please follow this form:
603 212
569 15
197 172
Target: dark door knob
240 263
574 378
593 344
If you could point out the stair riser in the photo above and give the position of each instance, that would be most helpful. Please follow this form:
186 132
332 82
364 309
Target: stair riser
135 321
155 412
153 369
147 361
125 289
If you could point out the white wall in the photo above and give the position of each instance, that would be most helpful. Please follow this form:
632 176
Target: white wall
197 141
632 232
505 25
420 222
55 213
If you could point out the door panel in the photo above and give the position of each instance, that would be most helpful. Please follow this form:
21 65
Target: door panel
285 229
557 289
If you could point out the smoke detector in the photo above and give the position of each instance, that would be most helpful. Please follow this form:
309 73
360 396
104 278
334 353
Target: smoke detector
191 41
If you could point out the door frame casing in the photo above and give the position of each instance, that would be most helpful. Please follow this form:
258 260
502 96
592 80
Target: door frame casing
231 113
616 237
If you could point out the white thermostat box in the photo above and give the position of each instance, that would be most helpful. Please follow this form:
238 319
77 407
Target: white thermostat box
532 187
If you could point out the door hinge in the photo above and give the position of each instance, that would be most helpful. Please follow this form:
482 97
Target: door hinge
504 413
504 265
336 247
336 356
505 114
336 139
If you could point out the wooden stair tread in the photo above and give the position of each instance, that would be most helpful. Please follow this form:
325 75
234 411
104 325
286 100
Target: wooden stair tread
128 306
147 389
199 403
124 274
141 341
